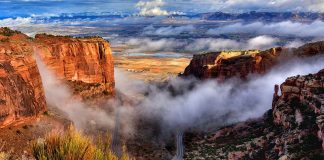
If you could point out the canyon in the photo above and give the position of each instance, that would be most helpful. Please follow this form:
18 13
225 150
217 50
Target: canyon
292 129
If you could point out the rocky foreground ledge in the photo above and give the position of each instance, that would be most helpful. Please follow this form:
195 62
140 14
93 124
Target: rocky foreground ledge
86 61
292 129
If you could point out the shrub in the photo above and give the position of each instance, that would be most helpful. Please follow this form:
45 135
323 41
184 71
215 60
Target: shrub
72 145
8 32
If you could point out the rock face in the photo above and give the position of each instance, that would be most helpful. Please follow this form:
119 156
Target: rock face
224 65
292 129
21 91
88 60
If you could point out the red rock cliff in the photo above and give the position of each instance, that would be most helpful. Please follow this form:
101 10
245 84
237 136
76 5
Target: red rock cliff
224 65
87 60
21 91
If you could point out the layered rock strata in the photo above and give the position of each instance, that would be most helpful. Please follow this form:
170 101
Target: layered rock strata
21 91
87 60
224 65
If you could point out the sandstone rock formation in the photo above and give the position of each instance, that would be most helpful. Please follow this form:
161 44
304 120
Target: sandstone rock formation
21 91
88 60
224 65
292 129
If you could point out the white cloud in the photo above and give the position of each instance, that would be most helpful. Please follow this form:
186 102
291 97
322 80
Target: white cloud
198 45
314 29
151 8
14 22
211 44
154 8
149 45
262 42
167 31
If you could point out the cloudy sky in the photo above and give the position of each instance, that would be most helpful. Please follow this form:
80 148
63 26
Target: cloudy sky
24 8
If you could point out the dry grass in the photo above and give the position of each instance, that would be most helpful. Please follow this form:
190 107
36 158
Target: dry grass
4 155
72 145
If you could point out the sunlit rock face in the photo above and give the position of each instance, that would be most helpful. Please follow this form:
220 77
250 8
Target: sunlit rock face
87 60
293 129
224 65
21 91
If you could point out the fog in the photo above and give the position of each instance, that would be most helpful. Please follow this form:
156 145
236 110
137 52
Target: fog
168 31
222 103
209 101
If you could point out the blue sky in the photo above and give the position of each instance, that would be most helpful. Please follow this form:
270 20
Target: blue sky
52 7
25 8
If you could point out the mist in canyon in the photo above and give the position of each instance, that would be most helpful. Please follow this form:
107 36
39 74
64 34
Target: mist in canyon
83 115
208 102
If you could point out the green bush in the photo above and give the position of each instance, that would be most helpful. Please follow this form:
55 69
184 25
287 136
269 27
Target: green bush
72 145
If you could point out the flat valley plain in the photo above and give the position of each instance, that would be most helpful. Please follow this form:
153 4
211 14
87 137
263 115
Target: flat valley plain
149 68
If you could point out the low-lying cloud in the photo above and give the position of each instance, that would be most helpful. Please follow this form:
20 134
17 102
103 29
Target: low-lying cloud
220 104
198 45
295 29
12 22
168 31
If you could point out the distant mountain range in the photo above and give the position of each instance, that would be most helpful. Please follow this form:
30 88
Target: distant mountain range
262 16
247 17
212 16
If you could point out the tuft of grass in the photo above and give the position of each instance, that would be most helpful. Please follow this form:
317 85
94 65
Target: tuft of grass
73 145
4 155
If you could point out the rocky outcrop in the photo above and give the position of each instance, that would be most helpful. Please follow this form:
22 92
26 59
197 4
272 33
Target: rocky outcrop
292 129
224 65
88 60
21 91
